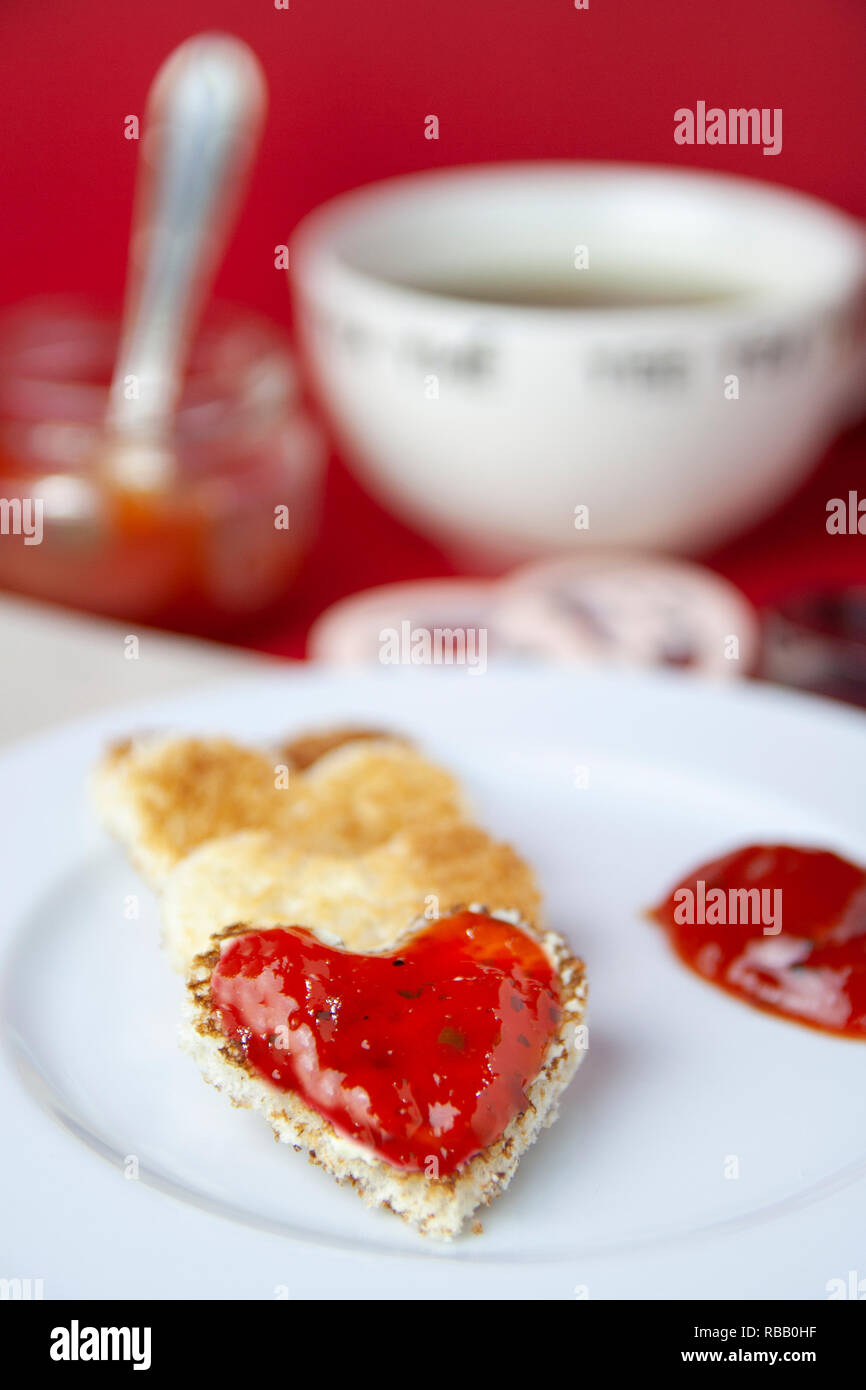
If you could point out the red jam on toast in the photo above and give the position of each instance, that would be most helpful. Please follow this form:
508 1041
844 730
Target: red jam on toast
424 1055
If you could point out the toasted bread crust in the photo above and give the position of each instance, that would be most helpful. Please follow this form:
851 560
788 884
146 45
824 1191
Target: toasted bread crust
436 1207
162 797
364 899
301 752
364 836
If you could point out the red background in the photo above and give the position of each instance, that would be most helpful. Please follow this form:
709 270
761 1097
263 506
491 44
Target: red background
351 83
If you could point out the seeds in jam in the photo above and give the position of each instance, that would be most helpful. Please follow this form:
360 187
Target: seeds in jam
424 1055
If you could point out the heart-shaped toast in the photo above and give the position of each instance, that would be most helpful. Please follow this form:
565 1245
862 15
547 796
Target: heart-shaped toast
365 899
342 794
420 1073
416 1065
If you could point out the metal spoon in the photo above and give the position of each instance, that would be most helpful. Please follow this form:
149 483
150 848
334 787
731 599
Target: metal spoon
203 120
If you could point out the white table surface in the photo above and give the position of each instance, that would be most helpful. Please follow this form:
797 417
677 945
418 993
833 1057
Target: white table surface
57 665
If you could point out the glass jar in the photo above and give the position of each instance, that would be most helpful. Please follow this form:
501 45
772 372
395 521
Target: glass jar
219 548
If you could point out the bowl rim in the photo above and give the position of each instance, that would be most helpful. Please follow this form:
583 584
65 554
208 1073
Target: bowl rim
319 259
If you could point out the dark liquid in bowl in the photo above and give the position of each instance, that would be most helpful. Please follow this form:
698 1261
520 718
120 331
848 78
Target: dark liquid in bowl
580 290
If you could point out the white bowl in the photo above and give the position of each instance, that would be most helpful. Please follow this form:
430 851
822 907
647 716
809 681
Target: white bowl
487 424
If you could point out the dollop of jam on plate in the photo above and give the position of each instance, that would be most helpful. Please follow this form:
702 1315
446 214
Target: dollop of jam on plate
781 927
424 1055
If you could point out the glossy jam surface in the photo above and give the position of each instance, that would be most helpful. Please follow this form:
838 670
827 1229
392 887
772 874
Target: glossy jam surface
423 1056
805 956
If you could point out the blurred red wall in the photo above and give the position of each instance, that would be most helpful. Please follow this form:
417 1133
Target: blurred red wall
352 80
351 83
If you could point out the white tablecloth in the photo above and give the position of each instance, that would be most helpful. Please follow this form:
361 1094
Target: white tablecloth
56 665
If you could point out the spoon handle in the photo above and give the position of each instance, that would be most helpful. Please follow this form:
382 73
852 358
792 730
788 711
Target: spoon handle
202 124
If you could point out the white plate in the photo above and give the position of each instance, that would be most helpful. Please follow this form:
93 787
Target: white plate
627 1195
